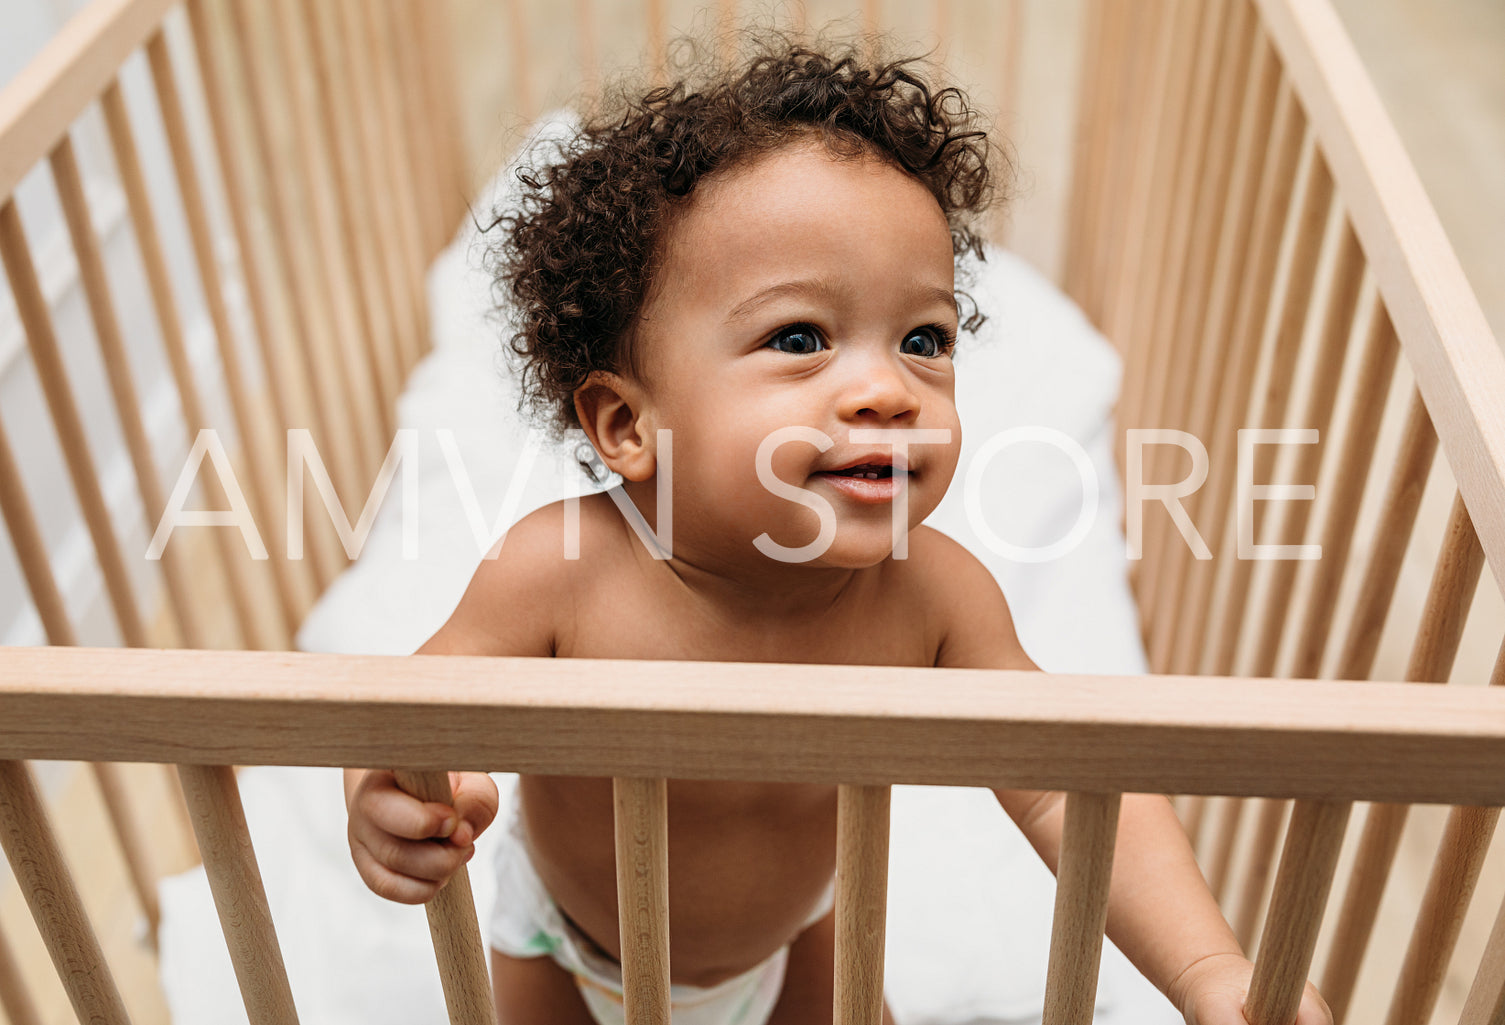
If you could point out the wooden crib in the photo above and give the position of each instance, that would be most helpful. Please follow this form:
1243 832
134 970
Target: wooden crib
1243 223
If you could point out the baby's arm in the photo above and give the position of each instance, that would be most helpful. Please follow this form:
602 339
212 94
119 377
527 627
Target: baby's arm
1160 912
406 849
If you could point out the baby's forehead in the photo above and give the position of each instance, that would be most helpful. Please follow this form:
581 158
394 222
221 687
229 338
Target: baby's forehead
804 207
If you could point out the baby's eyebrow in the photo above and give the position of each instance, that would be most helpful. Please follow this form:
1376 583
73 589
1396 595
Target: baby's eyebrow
821 288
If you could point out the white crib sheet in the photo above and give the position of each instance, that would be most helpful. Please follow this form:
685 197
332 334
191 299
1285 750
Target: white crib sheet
970 903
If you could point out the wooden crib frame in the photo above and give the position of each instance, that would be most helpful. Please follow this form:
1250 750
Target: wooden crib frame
1240 202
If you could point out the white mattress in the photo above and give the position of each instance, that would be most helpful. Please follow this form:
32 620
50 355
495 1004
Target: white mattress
970 903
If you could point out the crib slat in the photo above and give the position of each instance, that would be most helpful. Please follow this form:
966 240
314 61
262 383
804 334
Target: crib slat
1081 914
1214 58
379 46
219 822
1136 323
642 841
1270 816
1143 93
434 32
31 847
1276 185
362 242
407 319
279 342
1486 997
1010 50
521 62
15 998
1215 330
334 273
1182 304
251 429
1456 358
310 304
1301 888
1221 862
1454 579
453 925
590 46
1143 144
134 846
1287 521
37 324
417 122
862 827
31 549
1128 40
1376 368
154 261
1450 888
1455 872
1291 517
1086 147
49 93
1403 493
70 191
1290 308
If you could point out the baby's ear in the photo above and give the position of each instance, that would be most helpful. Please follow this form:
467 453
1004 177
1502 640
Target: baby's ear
610 407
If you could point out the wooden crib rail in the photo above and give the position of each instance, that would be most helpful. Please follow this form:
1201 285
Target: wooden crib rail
1326 742
861 724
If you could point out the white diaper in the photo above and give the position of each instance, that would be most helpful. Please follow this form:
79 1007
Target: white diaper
525 922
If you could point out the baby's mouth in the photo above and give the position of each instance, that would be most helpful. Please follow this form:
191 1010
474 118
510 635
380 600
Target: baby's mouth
865 471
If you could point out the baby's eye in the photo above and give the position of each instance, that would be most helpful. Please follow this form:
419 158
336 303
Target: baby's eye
801 340
927 342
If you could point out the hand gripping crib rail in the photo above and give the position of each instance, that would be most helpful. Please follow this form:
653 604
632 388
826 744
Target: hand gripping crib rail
1243 224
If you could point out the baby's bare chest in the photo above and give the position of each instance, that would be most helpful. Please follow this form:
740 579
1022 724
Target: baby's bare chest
636 623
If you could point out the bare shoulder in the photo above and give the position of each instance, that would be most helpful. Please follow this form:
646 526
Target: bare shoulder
977 627
518 601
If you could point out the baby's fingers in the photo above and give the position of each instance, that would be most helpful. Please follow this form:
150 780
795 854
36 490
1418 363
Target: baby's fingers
380 803
475 800
407 871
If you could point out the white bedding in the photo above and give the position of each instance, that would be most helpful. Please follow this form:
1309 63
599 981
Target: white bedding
970 903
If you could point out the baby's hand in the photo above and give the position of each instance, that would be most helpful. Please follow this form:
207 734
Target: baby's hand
1213 992
406 849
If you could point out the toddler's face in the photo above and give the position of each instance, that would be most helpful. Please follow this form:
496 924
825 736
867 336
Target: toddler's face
807 291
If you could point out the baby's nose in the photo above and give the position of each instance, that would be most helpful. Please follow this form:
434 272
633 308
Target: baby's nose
879 390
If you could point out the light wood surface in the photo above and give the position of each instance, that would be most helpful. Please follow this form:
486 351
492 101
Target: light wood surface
15 998
1290 305
1459 365
251 433
277 329
31 847
453 925
1450 888
1355 463
642 845
1486 997
1277 177
1081 911
873 724
106 324
45 97
41 339
1454 578
174 338
219 822
1301 887
862 831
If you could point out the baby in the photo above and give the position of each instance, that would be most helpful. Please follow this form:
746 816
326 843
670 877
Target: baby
742 290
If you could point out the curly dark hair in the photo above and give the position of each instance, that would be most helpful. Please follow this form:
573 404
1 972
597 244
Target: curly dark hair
576 258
